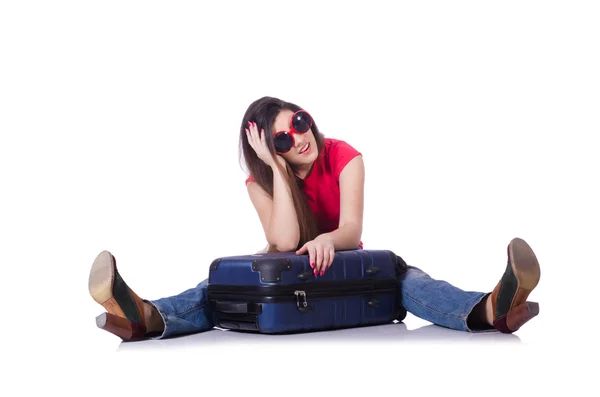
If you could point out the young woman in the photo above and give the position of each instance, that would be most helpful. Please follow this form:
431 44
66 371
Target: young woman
308 193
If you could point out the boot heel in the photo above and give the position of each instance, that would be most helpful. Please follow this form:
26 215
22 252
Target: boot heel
123 328
519 315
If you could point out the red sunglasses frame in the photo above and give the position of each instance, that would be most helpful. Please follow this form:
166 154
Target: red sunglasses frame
293 131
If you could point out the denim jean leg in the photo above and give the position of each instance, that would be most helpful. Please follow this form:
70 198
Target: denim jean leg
438 301
187 312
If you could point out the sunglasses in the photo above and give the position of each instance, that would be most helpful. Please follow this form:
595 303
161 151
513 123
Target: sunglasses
299 124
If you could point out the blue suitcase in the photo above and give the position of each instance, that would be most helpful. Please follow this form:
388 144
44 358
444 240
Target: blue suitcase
278 292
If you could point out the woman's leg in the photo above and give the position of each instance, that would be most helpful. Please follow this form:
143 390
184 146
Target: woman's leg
183 313
438 301
132 318
505 308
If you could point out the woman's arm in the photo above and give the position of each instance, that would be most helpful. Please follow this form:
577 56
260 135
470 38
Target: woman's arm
278 215
348 234
352 181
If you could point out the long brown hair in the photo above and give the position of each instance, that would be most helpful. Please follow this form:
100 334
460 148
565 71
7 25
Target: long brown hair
263 112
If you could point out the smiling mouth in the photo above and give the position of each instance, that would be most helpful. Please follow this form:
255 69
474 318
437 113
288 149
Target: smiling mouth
305 148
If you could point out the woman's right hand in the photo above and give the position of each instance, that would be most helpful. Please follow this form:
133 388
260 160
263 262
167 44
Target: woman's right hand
258 142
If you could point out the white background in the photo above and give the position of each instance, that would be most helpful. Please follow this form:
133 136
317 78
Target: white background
119 125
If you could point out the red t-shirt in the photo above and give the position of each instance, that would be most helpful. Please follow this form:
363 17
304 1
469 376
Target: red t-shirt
322 186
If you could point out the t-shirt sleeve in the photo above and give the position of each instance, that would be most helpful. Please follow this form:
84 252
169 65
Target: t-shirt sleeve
250 179
340 155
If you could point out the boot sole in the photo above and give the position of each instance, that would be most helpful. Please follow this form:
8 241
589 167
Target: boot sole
525 269
525 265
101 281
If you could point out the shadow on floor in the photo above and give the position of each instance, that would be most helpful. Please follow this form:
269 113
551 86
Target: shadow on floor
387 333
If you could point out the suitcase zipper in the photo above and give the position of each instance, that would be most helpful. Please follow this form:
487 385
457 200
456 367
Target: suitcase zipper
272 294
298 294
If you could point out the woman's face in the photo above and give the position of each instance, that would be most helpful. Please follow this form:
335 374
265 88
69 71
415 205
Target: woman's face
294 156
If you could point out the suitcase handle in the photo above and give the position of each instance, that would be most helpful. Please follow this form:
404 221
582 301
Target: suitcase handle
371 270
230 307
306 276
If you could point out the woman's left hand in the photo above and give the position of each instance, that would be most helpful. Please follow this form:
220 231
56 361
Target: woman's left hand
321 253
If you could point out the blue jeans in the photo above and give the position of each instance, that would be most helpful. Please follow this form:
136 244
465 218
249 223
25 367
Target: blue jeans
432 300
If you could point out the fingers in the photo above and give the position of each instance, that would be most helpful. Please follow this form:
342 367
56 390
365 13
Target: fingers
314 256
328 256
252 133
320 256
301 250
306 249
331 257
249 136
258 137
263 142
262 137
325 262
258 142
320 260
